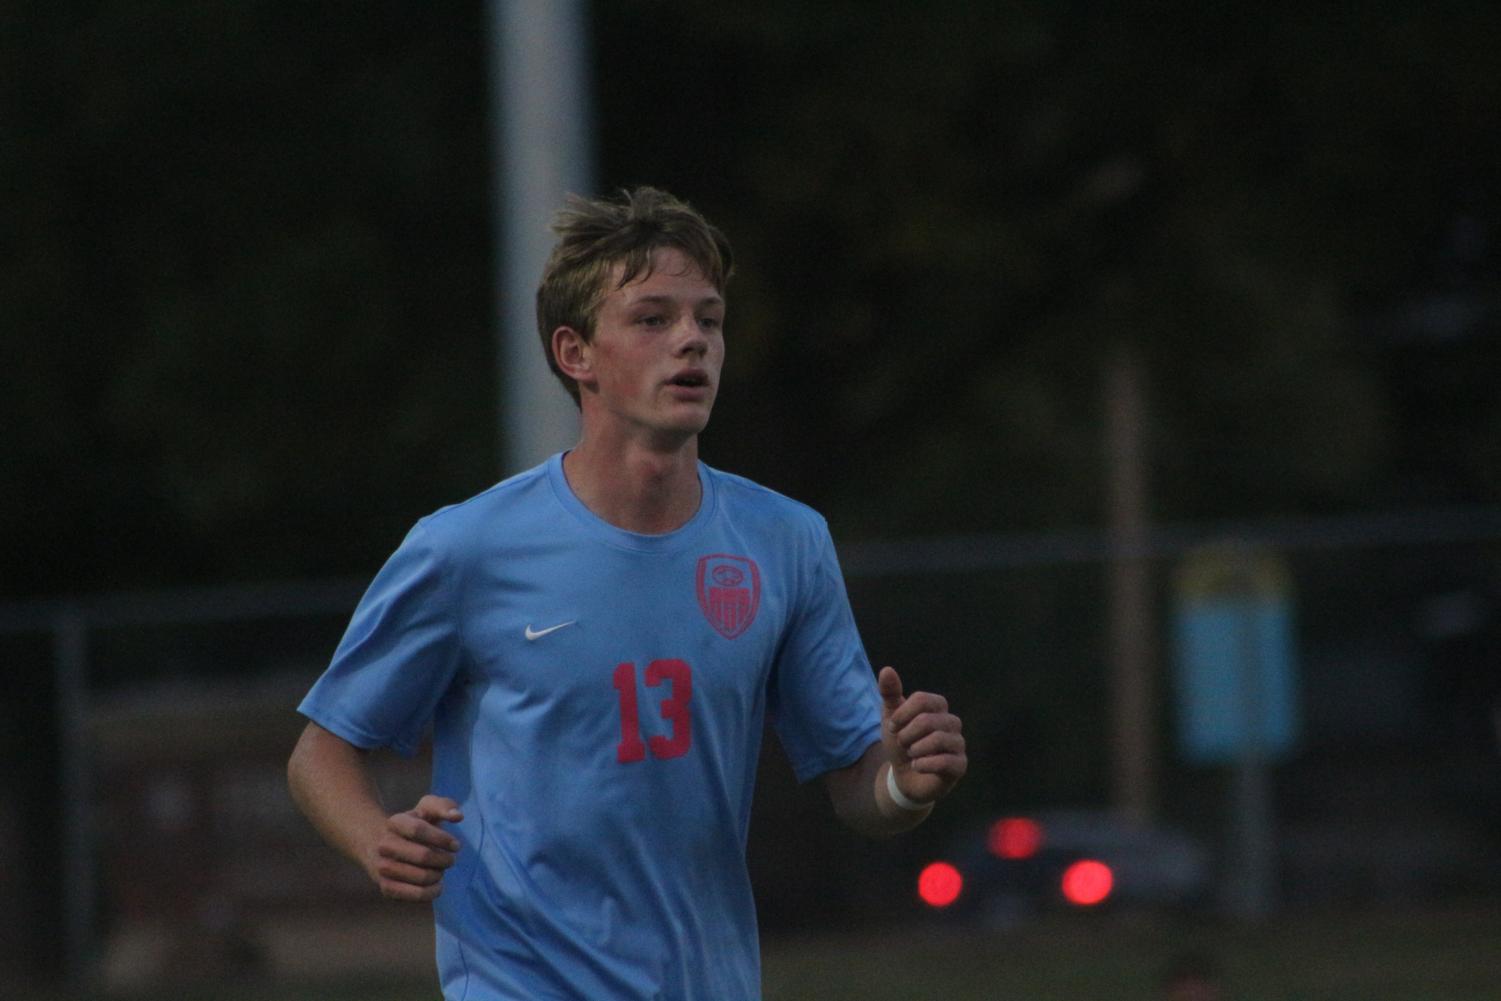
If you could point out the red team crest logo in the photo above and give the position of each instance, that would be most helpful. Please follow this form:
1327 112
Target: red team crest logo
729 592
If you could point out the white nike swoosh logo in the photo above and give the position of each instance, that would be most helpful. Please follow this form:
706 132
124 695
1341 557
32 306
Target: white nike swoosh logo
536 634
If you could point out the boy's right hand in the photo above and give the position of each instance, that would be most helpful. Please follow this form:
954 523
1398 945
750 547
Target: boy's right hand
412 852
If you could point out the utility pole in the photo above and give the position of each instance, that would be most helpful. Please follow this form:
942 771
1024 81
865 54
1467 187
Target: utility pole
1132 625
542 150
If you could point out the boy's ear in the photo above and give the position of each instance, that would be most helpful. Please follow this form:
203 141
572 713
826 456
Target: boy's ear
572 354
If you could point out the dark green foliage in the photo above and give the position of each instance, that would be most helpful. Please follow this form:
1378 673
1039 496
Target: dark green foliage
245 276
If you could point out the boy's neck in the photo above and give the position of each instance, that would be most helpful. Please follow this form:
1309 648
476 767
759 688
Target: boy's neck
634 487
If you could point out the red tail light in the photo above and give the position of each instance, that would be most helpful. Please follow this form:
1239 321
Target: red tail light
1087 882
1014 838
939 884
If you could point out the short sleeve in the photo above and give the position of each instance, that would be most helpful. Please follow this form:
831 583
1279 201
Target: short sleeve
398 656
823 701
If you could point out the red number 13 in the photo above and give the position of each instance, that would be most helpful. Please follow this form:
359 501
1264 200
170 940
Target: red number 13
679 678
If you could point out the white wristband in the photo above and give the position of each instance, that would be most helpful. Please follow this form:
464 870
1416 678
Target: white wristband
900 798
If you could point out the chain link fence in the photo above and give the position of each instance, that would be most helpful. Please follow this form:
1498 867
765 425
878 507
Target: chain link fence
148 736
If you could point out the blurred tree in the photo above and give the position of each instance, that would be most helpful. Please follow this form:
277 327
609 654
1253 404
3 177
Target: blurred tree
950 219
247 292
246 303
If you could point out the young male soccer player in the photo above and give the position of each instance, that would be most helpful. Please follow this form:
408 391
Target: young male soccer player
597 644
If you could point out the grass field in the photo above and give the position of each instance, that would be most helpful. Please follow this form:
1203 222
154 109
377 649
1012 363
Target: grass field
1452 954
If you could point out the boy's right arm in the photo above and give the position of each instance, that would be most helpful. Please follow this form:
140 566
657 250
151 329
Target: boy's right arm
404 854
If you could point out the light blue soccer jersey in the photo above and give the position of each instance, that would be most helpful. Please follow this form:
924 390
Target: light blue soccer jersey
597 700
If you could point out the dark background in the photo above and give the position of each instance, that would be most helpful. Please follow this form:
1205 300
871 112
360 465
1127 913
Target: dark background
247 332
246 276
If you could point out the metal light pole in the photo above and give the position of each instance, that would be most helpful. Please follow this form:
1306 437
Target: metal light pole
541 151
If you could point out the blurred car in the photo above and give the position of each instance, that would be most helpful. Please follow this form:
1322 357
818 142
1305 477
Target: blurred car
1018 866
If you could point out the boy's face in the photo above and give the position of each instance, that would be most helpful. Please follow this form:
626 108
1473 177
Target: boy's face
656 353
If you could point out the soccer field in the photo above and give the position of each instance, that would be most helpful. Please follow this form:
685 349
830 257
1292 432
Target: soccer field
1436 955
1451 955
